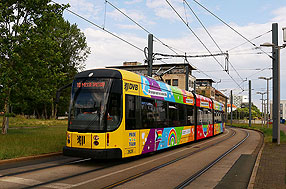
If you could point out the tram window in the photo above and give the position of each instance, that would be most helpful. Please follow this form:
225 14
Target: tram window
148 113
200 116
205 116
182 114
162 118
210 117
113 111
130 120
173 115
190 115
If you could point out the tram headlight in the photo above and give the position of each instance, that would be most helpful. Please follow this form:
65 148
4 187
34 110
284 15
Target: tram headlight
96 143
68 137
96 137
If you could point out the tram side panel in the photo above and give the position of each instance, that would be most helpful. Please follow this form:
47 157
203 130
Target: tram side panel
205 126
163 135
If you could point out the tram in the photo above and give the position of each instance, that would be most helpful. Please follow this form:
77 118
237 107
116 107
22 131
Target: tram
117 114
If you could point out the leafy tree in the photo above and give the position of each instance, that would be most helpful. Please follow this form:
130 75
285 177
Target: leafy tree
40 52
244 112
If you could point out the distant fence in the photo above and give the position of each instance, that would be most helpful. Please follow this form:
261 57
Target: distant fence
246 121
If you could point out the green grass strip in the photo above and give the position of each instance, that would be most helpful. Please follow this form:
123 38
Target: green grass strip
23 142
267 131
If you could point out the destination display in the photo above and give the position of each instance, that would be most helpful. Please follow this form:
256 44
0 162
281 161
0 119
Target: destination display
91 85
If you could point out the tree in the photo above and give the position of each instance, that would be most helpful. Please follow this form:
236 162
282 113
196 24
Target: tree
244 112
39 53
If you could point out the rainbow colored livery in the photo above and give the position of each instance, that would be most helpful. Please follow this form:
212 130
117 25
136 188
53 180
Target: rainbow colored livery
117 114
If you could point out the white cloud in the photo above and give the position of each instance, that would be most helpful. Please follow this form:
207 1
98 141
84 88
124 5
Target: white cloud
280 15
128 26
107 50
131 2
134 14
85 8
163 10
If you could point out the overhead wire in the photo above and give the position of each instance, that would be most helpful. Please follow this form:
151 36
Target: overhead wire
259 53
116 8
85 19
230 27
267 68
190 56
171 48
104 14
250 40
210 36
246 69
200 40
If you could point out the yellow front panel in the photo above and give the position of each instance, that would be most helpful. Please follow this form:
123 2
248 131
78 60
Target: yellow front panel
131 87
98 140
81 140
131 143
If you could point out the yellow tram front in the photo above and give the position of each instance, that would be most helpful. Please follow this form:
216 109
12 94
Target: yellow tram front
118 114
95 113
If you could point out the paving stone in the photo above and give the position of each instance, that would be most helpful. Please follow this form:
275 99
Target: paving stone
271 172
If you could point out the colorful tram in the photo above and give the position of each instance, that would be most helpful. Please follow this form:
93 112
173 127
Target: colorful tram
117 114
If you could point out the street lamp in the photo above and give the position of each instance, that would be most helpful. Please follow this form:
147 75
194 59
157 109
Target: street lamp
263 113
267 110
276 80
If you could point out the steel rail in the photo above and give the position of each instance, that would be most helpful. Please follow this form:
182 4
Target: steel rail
165 164
206 168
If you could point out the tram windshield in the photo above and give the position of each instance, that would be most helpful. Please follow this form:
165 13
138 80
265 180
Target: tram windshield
95 105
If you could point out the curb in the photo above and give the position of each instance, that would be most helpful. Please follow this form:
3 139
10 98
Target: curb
255 169
29 158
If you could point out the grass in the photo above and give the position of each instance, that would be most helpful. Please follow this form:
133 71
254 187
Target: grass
267 131
21 121
27 137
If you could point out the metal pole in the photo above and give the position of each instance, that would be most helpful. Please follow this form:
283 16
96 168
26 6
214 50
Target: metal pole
276 85
231 108
249 103
262 115
264 111
150 54
278 126
267 110
187 77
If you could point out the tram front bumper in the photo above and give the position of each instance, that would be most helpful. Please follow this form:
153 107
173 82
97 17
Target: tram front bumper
114 153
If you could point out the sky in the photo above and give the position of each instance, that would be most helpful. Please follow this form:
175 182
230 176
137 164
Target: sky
252 19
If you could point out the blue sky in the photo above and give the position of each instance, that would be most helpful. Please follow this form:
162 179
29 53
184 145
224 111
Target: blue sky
250 18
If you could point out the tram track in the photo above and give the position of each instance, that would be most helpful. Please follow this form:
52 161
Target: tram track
166 164
83 162
28 170
206 168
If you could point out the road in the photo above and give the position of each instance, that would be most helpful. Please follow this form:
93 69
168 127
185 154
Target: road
167 169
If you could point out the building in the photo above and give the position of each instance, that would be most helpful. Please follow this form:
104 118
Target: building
204 87
240 101
282 109
176 76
